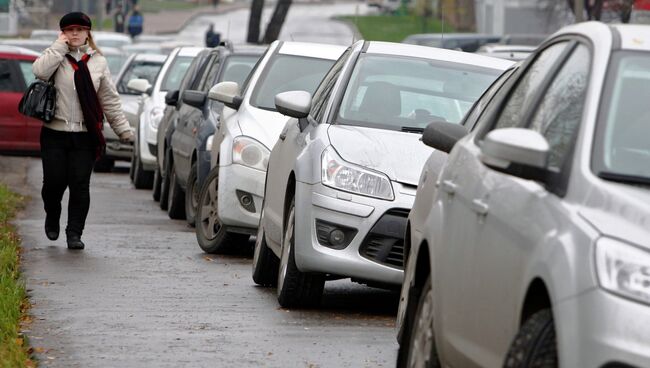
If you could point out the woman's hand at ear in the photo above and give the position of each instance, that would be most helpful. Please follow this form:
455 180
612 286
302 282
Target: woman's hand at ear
63 37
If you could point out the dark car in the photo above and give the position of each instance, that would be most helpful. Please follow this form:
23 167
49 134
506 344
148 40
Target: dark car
18 133
468 42
197 119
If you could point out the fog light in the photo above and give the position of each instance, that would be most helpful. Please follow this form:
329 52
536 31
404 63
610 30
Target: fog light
246 200
337 238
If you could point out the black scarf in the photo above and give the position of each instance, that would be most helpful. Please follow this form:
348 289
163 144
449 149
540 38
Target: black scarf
90 106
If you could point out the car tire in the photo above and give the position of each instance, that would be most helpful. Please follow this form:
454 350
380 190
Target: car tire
132 165
157 183
104 165
265 263
192 196
175 197
210 233
142 179
164 184
418 347
295 288
534 345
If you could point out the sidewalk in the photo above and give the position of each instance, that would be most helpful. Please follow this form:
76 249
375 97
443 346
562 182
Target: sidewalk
172 21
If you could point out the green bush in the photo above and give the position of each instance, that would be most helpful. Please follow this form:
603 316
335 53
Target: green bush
394 28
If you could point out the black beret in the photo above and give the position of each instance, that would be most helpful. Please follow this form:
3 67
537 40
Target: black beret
75 19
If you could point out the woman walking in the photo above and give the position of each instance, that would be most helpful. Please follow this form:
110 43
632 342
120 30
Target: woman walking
73 141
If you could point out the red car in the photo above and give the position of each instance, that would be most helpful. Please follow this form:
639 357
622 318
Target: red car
18 133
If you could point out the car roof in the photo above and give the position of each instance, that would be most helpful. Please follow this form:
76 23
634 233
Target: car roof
450 35
106 50
151 57
634 36
315 50
497 47
189 50
434 53
248 49
15 51
111 35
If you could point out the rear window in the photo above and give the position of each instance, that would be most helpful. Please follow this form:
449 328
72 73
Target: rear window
138 70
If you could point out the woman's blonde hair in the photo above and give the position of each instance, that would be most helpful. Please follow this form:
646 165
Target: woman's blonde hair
92 44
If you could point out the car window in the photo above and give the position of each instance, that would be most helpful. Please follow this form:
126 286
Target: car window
198 77
8 81
238 68
479 106
622 146
115 62
138 70
244 87
558 115
528 86
175 73
324 90
288 73
26 71
210 71
396 92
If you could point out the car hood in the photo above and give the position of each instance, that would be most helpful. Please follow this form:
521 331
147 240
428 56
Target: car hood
399 155
620 211
262 125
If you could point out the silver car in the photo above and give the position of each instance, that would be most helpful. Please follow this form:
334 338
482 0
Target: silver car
342 178
532 246
230 199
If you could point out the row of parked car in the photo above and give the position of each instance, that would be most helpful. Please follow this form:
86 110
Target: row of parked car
509 201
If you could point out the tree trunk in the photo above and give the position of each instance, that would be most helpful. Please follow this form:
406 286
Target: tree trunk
277 20
254 21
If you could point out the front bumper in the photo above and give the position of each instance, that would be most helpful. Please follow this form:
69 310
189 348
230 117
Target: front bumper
115 149
234 180
375 253
599 329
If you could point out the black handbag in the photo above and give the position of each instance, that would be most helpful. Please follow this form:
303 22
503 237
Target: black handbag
39 101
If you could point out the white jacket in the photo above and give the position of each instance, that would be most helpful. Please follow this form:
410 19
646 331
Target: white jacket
68 116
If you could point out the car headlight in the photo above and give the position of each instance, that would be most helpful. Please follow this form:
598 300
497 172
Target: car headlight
249 152
208 143
348 177
623 269
155 116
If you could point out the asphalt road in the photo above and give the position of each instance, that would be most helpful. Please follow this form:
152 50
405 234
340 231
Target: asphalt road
142 294
305 22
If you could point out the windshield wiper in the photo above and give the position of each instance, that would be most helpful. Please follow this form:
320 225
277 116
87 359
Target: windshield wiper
409 129
624 178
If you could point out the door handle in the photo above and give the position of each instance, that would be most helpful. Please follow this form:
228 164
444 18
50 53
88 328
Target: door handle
283 136
480 207
449 187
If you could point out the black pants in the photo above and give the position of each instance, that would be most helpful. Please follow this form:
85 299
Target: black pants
67 163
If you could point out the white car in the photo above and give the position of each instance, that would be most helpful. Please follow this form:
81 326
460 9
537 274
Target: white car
531 247
151 107
230 199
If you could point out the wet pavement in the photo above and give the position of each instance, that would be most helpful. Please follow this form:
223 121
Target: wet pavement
142 294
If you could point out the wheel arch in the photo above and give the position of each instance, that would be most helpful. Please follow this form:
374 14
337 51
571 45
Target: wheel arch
290 191
537 298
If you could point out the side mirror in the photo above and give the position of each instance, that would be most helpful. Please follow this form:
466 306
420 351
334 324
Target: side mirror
516 151
226 93
194 98
171 98
295 104
140 85
442 135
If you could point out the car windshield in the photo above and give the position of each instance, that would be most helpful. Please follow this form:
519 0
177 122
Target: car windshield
138 70
622 149
238 67
288 73
115 62
394 92
110 42
176 72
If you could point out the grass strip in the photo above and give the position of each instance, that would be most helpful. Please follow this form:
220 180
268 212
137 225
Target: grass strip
393 28
13 347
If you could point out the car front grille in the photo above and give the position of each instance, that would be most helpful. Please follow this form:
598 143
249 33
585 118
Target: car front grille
384 243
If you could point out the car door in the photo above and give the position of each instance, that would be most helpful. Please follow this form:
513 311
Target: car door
12 124
522 217
472 302
459 184
292 141
188 118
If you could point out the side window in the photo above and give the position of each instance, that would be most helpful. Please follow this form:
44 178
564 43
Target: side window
6 80
558 115
26 71
324 90
525 91
211 75
479 106
200 74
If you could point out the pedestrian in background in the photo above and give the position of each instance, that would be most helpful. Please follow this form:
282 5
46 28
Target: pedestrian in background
118 19
212 38
136 21
73 141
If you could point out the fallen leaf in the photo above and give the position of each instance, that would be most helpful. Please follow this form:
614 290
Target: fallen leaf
207 258
19 341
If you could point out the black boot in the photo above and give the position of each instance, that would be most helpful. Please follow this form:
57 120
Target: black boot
74 241
51 229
